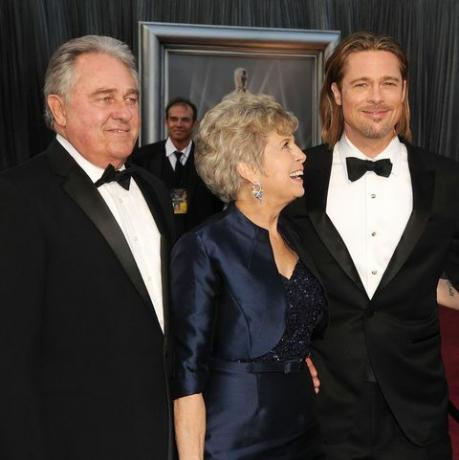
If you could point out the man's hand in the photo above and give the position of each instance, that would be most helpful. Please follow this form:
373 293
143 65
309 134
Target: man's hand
314 374
447 294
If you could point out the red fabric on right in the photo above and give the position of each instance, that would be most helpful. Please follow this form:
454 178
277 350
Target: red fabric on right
449 322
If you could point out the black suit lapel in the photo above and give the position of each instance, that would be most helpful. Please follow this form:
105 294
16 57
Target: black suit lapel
153 202
317 180
81 189
422 181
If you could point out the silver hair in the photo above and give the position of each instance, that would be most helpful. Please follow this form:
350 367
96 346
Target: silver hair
59 74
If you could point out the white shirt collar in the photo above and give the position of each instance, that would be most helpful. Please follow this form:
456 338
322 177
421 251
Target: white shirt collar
94 172
171 149
393 152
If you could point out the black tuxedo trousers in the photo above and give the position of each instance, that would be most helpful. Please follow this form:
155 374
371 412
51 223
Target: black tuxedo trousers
82 354
397 331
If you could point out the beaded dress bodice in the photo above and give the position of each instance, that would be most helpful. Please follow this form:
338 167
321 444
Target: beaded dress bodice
306 306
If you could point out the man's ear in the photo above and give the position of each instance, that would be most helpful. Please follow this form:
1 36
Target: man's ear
248 172
57 106
336 93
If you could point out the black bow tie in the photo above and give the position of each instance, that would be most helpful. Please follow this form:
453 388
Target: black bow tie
356 167
112 175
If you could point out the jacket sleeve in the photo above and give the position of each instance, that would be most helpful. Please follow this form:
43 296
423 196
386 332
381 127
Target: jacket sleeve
22 269
194 290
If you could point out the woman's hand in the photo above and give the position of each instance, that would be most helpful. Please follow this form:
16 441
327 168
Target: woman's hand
314 374
190 426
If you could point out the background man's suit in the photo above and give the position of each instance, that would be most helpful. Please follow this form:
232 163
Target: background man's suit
397 331
201 202
82 353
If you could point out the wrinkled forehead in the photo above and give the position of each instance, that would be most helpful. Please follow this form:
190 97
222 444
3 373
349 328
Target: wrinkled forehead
103 70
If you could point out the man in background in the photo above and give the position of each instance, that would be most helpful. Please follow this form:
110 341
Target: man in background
172 160
381 220
84 244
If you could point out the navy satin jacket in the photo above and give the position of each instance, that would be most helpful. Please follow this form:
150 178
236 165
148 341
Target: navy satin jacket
228 301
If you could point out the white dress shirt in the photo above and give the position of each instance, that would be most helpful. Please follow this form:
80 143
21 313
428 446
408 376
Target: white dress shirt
171 149
371 213
133 215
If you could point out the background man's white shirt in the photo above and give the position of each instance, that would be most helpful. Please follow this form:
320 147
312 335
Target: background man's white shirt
171 149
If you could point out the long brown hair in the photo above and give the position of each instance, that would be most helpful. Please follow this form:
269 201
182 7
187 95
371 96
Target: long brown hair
330 112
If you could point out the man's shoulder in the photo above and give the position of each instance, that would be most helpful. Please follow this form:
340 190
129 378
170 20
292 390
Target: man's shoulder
321 149
432 160
142 156
318 152
154 147
318 156
29 173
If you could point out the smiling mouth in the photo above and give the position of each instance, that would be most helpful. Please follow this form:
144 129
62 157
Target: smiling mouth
118 131
297 175
376 113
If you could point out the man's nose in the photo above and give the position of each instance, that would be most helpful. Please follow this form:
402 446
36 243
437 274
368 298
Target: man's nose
122 110
376 94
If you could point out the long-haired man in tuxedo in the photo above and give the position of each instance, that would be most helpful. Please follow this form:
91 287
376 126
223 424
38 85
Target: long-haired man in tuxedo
381 218
83 243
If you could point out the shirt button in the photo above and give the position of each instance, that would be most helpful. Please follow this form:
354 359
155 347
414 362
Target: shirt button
374 272
373 233
373 195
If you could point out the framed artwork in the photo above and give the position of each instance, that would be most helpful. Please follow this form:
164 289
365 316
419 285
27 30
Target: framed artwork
205 63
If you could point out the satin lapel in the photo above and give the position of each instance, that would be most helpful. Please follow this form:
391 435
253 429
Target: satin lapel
316 182
153 203
80 188
422 181
147 189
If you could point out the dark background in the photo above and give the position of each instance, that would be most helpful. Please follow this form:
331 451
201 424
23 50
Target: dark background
30 30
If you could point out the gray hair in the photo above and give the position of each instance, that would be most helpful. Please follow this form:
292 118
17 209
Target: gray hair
235 131
59 74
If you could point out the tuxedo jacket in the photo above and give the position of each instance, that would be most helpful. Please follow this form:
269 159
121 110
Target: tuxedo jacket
228 301
201 202
82 353
397 331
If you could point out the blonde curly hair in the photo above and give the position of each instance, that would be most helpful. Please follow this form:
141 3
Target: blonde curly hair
235 131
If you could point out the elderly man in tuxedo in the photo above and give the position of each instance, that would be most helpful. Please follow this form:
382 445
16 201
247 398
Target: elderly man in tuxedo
83 244
381 219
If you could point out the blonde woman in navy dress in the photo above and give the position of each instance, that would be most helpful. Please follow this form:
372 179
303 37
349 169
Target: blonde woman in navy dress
246 297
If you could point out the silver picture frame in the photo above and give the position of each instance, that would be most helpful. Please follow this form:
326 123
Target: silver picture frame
200 62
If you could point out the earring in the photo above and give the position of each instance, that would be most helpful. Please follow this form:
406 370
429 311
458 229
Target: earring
257 191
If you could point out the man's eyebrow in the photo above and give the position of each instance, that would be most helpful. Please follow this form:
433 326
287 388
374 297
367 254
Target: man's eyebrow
385 77
108 91
103 91
132 91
